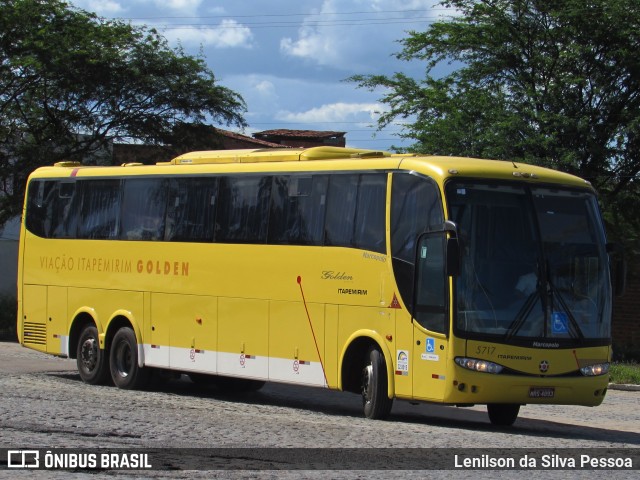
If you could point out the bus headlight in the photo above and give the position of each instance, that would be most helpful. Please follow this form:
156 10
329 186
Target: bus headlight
478 365
595 370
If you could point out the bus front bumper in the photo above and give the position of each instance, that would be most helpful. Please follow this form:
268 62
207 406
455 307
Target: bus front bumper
469 387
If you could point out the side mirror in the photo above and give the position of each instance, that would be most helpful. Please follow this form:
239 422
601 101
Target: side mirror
453 249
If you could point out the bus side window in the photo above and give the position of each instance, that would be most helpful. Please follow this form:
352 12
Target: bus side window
49 208
36 215
298 204
66 211
100 211
243 209
356 211
144 203
370 221
191 209
341 210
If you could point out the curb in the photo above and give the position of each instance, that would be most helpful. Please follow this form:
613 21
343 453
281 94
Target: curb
624 387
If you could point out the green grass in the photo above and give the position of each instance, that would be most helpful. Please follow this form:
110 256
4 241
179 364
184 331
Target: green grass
628 372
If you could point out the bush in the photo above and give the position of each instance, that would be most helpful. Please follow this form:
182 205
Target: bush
8 313
628 373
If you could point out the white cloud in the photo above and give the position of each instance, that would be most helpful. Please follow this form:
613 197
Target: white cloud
229 34
335 112
101 7
265 87
186 7
349 34
325 50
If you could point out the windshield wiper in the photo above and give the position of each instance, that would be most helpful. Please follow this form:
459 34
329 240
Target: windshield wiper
523 314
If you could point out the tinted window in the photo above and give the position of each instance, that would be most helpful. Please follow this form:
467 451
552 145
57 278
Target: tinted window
369 231
191 209
297 210
431 294
415 209
100 211
341 210
144 203
49 207
356 211
243 209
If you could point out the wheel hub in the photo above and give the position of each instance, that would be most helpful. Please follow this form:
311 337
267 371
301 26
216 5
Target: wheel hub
89 354
367 381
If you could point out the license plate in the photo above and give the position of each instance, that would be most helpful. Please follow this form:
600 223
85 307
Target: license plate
542 392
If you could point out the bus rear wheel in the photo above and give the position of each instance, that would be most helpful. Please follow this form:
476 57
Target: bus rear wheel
375 402
503 414
123 361
92 362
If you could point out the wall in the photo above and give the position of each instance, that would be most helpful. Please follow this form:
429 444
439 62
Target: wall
626 315
9 236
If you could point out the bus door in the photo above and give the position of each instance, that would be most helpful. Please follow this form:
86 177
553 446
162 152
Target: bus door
430 317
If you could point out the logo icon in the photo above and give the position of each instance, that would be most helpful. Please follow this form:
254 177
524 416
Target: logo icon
23 459
544 366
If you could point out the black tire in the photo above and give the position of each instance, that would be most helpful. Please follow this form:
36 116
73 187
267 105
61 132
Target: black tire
375 401
123 361
91 361
503 414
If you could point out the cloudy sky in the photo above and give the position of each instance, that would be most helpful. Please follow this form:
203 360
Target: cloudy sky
289 59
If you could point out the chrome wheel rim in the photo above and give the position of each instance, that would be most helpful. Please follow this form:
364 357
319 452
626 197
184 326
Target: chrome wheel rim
89 354
367 382
123 359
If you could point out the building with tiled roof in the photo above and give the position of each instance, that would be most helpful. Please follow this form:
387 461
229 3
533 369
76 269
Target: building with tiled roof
302 138
220 140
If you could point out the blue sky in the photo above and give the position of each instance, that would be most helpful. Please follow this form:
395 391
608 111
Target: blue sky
289 59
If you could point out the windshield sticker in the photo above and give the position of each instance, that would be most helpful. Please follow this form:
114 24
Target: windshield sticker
559 323
403 363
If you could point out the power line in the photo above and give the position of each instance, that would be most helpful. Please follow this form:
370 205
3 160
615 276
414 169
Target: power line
318 24
315 20
283 15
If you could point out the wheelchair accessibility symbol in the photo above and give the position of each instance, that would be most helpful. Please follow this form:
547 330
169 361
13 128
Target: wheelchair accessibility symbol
431 345
559 322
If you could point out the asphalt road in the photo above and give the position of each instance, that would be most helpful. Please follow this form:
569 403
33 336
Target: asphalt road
44 404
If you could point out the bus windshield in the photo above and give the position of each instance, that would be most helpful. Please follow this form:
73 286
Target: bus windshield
534 267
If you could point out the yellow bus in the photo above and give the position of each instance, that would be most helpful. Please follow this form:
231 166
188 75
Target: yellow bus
436 279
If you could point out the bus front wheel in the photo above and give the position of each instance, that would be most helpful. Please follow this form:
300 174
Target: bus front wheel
92 362
503 414
375 401
123 361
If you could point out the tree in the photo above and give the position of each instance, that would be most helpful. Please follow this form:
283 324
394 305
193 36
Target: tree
549 82
70 82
